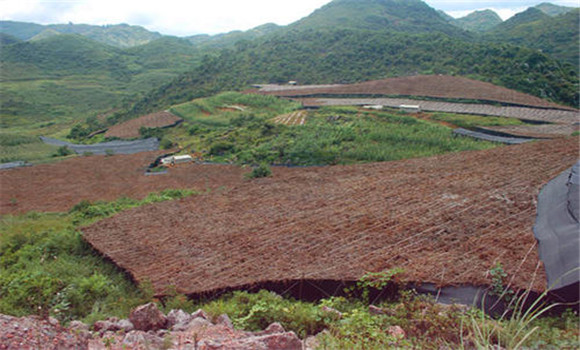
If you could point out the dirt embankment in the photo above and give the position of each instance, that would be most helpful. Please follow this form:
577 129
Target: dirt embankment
130 129
445 220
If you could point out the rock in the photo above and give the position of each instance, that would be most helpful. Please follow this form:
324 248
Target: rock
78 326
142 340
279 341
148 317
200 313
274 328
224 320
208 344
194 326
104 326
175 317
125 325
396 332
330 310
53 322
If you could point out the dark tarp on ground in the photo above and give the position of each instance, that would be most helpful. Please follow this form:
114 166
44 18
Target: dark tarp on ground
11 165
117 147
557 229
492 138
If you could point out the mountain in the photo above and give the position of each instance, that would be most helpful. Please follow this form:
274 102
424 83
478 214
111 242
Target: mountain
478 21
120 35
408 16
445 16
557 36
553 10
220 41
531 15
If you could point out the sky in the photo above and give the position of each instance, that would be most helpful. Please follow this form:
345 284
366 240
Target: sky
190 17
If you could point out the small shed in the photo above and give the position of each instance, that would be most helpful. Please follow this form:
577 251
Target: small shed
292 82
410 108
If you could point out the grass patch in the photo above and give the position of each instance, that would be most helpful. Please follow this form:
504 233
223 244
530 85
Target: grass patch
14 147
470 121
48 269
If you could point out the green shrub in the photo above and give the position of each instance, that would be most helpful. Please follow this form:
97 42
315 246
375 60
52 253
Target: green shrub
63 151
262 170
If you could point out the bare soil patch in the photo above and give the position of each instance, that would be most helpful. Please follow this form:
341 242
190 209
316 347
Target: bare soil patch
446 220
130 128
438 86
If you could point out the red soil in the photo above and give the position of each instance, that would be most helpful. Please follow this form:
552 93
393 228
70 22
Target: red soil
59 186
439 86
446 220
130 128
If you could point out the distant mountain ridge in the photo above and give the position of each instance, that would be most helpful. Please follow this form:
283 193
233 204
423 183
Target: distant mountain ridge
118 35
478 21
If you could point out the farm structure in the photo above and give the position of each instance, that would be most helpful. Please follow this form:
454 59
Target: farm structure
445 220
130 128
172 160
436 86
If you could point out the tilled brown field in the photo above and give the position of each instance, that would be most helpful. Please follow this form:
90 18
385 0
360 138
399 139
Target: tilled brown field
130 128
445 220
59 186
439 86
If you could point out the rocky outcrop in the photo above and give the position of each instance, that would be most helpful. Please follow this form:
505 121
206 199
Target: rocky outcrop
146 328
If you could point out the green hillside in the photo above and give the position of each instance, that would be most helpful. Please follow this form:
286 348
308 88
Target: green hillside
120 35
67 78
478 21
557 36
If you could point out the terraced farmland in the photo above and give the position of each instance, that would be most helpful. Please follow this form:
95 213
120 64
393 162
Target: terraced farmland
445 220
437 86
294 118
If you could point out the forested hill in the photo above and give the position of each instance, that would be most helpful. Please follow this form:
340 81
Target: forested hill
555 35
408 16
344 56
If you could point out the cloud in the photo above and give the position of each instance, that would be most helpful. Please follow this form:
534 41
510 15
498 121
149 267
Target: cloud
174 17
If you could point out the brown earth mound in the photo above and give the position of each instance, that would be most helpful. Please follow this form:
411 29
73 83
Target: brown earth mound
438 86
59 186
445 220
130 128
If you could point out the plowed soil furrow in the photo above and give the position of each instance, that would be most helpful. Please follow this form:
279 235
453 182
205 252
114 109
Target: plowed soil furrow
446 219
